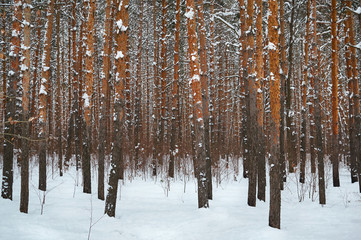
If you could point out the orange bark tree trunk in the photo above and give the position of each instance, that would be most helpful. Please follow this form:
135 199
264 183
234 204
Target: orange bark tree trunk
275 193
334 71
195 83
43 95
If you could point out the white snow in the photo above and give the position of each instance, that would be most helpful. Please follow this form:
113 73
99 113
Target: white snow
196 78
23 67
42 90
359 44
190 13
15 33
271 46
119 55
358 10
86 99
119 23
144 211
23 47
121 26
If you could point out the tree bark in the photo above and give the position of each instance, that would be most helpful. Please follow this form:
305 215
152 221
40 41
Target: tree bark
275 193
117 168
261 160
195 83
174 148
334 70
24 192
205 94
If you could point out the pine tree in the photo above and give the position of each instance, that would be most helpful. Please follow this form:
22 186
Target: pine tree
195 82
334 71
275 194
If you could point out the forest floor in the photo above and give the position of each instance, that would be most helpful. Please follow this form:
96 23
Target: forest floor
144 211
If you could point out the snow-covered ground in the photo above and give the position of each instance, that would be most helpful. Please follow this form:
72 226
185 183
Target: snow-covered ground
144 211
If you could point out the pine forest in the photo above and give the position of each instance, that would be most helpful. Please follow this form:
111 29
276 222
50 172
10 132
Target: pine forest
170 119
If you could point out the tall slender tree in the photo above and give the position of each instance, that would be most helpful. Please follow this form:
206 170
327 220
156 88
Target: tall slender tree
24 194
275 194
195 83
11 98
121 39
175 91
334 72
205 94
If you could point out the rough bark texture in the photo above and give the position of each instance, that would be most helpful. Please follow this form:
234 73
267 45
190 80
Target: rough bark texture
74 81
334 70
104 99
205 95
304 100
283 68
351 75
195 83
59 115
10 109
117 167
43 95
251 108
261 160
318 117
138 94
275 193
244 85
163 57
86 97
156 105
24 193
291 128
174 148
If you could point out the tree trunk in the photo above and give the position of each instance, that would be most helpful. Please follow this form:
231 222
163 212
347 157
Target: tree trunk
138 95
174 148
24 192
304 100
261 160
205 95
10 110
318 116
251 108
291 129
275 193
334 155
59 98
116 171
104 92
244 87
195 82
43 95
283 68
350 55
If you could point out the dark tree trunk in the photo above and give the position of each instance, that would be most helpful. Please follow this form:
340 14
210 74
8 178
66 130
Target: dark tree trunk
24 193
69 141
335 161
319 144
101 153
303 146
86 166
42 164
77 132
111 199
261 165
7 179
291 129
